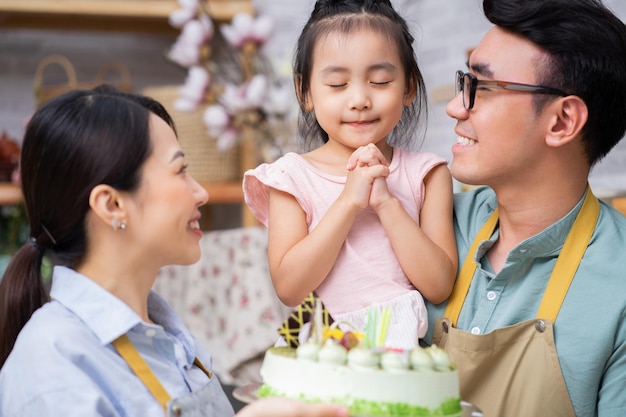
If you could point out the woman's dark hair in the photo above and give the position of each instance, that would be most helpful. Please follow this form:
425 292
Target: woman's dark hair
72 143
586 44
348 16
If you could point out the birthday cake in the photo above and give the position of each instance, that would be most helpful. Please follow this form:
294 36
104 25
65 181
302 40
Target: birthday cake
355 369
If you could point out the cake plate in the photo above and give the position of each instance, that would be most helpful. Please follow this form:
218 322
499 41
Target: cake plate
247 394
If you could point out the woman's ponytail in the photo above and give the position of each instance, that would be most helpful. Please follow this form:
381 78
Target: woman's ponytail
22 291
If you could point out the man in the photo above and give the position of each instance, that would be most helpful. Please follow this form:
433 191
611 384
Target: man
532 336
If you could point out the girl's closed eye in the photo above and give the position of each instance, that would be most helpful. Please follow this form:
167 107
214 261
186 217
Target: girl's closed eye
183 168
336 84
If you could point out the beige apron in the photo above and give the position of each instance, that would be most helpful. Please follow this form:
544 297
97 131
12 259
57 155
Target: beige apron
515 371
209 401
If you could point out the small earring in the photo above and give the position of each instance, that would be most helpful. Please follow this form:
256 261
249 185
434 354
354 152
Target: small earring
118 224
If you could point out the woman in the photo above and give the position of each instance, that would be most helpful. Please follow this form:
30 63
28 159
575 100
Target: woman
110 203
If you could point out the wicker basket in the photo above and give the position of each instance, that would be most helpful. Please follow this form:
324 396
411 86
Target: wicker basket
114 73
206 162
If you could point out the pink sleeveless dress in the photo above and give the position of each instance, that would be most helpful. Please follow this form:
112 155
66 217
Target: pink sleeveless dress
367 272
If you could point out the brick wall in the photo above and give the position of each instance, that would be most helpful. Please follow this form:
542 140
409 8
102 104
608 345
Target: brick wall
444 31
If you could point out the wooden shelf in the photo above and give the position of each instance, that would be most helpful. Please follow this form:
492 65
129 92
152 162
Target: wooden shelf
107 15
111 8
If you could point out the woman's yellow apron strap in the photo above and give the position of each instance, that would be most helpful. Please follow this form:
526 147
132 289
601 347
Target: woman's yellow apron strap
129 353
139 366
564 270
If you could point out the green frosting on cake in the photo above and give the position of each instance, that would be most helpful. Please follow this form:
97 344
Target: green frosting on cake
449 408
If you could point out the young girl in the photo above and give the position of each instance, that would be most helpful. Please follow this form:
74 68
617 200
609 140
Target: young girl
375 231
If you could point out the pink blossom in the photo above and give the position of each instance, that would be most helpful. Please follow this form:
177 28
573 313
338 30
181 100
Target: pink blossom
246 96
186 49
188 10
188 4
181 16
233 98
191 94
244 28
280 99
184 54
256 91
207 27
227 139
262 29
194 32
216 119
185 104
196 83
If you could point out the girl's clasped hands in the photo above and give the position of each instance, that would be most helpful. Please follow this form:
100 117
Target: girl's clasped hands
366 184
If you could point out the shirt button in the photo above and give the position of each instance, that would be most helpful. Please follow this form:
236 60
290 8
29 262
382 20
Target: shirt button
491 295
475 330
150 332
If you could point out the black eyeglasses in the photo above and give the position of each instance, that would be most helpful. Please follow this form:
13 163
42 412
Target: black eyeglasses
468 83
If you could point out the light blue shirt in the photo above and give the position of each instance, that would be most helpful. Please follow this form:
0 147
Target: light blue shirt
590 329
63 363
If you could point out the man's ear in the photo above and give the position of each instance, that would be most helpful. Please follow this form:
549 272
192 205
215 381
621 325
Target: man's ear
106 203
570 116
304 100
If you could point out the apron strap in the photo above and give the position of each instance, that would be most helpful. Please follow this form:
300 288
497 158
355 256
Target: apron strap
200 365
566 266
562 275
129 353
459 291
139 366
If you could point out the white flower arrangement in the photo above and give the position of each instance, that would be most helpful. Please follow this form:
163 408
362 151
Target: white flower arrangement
227 74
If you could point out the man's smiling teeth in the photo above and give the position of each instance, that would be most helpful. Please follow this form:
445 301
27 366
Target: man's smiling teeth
465 141
194 224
